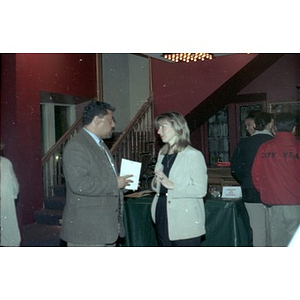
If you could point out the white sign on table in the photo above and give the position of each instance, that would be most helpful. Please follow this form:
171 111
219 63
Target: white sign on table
231 192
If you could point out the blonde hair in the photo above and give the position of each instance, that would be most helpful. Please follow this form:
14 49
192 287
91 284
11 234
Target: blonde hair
179 124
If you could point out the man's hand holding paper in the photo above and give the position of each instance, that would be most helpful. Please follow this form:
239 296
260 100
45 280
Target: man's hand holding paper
134 168
124 181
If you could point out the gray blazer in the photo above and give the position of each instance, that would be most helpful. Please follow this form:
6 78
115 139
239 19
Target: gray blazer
94 207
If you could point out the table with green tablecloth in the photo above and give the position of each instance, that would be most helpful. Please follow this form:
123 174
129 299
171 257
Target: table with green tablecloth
227 223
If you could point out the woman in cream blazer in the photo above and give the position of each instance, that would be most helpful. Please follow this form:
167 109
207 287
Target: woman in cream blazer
180 184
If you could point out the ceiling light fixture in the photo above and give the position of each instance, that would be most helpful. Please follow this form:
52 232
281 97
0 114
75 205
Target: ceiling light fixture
187 57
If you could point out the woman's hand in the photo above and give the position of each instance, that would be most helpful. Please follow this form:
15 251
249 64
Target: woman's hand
164 180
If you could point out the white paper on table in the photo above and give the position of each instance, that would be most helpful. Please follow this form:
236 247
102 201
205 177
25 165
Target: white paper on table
231 192
130 167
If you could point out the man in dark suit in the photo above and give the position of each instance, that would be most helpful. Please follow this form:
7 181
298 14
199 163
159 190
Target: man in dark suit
93 215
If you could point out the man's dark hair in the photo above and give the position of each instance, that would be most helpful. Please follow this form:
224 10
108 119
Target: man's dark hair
262 119
251 115
95 108
285 122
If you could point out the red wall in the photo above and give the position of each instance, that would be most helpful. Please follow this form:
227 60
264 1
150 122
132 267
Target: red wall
23 77
182 86
279 81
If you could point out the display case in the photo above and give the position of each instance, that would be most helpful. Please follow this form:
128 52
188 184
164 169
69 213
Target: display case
218 137
226 128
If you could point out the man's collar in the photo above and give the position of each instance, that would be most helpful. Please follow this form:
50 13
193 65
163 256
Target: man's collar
96 139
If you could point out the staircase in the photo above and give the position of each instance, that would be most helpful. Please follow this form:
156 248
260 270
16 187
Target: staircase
46 229
136 142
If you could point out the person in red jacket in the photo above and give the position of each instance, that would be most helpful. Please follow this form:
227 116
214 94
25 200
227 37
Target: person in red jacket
276 176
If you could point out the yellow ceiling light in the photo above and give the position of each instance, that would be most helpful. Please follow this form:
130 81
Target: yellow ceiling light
187 57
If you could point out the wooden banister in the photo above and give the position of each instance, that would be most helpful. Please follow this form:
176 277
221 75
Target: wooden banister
66 136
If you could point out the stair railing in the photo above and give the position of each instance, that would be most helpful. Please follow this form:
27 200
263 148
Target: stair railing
136 142
52 161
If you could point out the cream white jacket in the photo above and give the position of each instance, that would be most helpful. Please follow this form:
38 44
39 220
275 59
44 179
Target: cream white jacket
185 207
10 233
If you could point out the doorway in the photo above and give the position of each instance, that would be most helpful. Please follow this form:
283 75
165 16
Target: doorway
56 118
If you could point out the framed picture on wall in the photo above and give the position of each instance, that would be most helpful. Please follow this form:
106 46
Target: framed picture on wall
287 106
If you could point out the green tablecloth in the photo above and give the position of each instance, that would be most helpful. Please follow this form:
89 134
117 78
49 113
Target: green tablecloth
227 223
138 223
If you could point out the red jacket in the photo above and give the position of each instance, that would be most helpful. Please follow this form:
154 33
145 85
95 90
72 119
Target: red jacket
276 170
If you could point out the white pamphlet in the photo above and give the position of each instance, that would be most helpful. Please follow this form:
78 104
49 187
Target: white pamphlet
130 167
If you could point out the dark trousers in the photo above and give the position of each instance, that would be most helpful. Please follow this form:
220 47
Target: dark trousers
162 232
